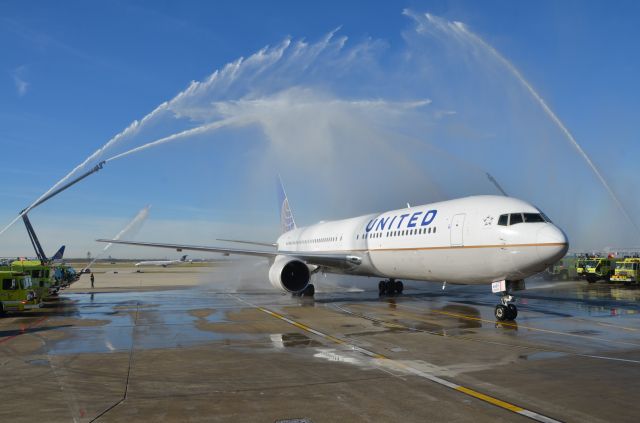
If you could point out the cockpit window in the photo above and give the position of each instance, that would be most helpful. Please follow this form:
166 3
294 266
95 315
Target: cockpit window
515 218
545 217
533 217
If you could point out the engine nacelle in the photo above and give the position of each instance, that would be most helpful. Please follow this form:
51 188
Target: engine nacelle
289 274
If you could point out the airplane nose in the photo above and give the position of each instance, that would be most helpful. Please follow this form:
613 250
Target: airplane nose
552 244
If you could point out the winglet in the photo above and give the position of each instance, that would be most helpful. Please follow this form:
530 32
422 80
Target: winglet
287 222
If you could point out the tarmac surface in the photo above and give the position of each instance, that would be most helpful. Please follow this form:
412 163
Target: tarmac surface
173 345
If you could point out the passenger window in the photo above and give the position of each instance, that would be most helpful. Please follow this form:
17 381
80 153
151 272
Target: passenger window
515 218
532 218
503 220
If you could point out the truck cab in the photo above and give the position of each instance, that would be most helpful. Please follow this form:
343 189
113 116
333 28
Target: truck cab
40 275
16 292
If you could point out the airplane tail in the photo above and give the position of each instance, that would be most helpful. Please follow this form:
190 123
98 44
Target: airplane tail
287 222
183 258
59 254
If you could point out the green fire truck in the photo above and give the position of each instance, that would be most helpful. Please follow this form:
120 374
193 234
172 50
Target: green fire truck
565 269
598 268
64 275
16 292
40 275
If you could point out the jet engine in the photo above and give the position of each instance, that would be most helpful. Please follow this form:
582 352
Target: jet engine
289 274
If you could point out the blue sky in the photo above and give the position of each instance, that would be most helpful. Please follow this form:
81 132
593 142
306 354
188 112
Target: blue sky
74 74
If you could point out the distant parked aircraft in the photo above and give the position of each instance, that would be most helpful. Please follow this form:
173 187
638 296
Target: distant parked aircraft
163 263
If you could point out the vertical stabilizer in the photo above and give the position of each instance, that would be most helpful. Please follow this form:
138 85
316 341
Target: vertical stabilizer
287 222
59 254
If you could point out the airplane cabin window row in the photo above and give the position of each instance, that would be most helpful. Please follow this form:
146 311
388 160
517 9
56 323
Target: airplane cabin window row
313 241
389 234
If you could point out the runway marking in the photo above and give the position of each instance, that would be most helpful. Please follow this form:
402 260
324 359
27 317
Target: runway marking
443 382
609 325
518 326
24 329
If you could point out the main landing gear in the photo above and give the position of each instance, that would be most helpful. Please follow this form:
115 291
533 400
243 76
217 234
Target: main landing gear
506 310
309 291
390 287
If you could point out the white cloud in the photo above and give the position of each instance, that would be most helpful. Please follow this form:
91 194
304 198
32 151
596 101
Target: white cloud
18 75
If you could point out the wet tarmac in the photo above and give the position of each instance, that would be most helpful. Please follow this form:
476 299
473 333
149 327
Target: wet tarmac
201 354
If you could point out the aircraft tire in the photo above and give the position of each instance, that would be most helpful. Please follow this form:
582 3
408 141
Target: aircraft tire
512 311
391 288
309 291
501 312
382 288
399 287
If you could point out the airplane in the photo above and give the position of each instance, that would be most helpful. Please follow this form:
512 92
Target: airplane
163 263
482 239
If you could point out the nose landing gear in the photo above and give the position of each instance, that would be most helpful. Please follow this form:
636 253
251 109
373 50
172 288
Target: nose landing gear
506 310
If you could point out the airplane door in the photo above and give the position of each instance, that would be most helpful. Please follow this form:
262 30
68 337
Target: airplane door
457 224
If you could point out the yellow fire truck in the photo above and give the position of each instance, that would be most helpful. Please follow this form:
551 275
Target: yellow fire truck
16 292
627 271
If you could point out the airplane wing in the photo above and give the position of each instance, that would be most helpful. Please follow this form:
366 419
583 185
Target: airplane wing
181 247
341 261
264 244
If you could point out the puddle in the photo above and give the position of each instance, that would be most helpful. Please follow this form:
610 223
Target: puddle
544 355
38 362
292 340
149 320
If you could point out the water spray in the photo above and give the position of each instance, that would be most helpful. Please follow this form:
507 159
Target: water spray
497 185
458 30
135 223
184 134
52 193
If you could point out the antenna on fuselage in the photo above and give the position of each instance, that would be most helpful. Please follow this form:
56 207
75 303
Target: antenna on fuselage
497 185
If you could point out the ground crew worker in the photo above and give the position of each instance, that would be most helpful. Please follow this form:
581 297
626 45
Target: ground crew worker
92 279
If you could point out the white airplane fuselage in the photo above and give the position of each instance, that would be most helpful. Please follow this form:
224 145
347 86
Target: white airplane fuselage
457 241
